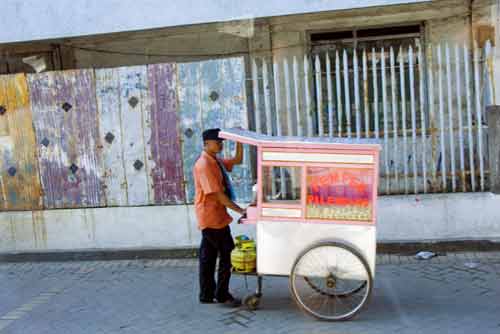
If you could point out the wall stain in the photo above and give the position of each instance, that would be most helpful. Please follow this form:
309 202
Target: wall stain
39 230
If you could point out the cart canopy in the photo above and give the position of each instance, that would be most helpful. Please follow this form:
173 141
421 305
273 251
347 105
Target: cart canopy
258 139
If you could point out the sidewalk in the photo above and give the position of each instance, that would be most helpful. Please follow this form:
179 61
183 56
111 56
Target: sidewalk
456 293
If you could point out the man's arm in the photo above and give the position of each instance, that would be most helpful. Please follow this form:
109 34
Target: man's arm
224 200
236 160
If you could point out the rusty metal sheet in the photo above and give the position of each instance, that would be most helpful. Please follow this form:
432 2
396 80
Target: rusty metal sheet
65 120
190 121
138 128
235 115
135 116
19 177
125 130
212 95
166 167
223 105
110 134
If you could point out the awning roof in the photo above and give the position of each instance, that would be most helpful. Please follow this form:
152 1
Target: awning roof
253 138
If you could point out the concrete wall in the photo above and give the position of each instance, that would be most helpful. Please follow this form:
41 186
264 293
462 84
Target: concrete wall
400 218
447 20
35 19
284 35
281 36
277 37
439 217
486 24
183 44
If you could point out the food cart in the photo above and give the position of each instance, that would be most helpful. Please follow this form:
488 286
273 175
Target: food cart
315 215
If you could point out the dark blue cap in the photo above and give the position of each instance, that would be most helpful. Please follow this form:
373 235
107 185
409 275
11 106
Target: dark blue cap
211 134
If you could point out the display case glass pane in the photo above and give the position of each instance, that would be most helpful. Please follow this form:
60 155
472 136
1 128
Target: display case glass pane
281 184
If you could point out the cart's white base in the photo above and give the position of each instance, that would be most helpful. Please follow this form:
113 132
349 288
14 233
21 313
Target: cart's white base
280 243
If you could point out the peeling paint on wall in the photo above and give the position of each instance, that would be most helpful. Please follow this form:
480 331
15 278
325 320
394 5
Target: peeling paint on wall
212 95
113 137
19 182
166 171
65 119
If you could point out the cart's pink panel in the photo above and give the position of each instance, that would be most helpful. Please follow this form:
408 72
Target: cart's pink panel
337 178
311 190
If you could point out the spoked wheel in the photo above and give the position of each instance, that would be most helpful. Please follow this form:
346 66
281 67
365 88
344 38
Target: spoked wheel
331 281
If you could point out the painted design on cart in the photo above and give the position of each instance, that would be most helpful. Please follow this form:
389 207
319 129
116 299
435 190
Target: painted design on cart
212 95
72 138
339 193
19 177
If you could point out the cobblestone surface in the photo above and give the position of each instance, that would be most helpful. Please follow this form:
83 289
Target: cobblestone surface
452 293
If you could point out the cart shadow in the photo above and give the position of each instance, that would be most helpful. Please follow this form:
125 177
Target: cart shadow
386 303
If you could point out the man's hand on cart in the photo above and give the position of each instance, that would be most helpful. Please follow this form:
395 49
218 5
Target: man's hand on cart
243 215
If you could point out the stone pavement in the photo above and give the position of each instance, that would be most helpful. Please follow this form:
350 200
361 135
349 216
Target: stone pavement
453 293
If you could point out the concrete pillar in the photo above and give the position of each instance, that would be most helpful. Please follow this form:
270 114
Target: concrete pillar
493 118
259 45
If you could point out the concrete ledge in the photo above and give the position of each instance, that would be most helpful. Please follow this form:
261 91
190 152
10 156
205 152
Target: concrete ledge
411 248
437 217
425 219
400 248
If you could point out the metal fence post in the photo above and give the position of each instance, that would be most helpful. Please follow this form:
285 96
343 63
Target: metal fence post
493 118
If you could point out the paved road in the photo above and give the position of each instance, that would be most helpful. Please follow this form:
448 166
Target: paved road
457 293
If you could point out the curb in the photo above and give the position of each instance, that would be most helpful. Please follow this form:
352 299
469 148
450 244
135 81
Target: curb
401 248
100 255
449 246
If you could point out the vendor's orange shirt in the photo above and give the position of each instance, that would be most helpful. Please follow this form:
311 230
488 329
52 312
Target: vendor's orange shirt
208 180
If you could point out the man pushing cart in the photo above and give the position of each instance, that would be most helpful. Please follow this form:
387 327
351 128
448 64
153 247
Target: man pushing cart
315 218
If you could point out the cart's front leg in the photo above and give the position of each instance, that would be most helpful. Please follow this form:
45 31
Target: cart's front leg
258 292
253 301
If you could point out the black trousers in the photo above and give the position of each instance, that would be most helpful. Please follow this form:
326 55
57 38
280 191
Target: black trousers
215 242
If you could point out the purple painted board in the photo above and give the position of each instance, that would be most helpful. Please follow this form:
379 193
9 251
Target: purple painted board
166 172
85 127
64 117
47 126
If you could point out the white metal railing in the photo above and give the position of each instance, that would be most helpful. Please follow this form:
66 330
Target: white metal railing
425 105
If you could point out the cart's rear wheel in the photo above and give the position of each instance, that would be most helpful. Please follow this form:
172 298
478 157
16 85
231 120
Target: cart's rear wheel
338 292
331 281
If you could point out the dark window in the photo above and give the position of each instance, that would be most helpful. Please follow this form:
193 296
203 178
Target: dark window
375 42
18 63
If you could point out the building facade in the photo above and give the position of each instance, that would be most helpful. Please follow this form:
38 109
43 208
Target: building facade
417 75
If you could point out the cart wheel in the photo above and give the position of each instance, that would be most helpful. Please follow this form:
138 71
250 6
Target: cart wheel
339 292
252 302
331 281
